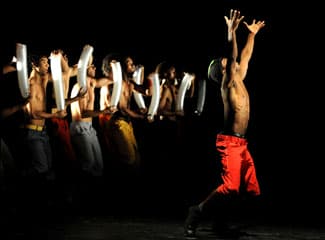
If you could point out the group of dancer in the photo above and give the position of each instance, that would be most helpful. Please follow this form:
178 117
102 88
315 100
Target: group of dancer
48 142
51 134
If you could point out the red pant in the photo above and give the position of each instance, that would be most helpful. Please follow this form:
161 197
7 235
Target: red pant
60 132
103 120
237 166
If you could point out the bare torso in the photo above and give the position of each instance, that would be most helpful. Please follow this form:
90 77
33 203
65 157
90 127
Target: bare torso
125 100
168 101
87 102
37 101
236 106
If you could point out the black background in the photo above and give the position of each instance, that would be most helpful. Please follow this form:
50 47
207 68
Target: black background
285 128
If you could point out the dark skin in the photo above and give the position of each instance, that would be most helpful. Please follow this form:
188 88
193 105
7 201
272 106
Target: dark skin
234 93
87 102
169 95
128 86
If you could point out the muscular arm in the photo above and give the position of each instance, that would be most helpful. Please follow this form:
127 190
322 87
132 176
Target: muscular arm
6 112
94 113
233 23
234 56
231 67
80 95
247 51
246 55
67 73
104 81
44 115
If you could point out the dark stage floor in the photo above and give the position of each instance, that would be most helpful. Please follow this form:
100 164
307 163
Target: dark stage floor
92 227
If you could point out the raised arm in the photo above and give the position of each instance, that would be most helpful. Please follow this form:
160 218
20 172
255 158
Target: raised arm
247 51
233 22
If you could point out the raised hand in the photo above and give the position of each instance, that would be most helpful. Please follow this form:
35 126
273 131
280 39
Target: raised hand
255 26
233 22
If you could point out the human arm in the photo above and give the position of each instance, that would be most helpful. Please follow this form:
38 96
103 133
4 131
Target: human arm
140 88
44 115
96 113
232 22
103 81
67 73
6 112
80 95
247 51
235 19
